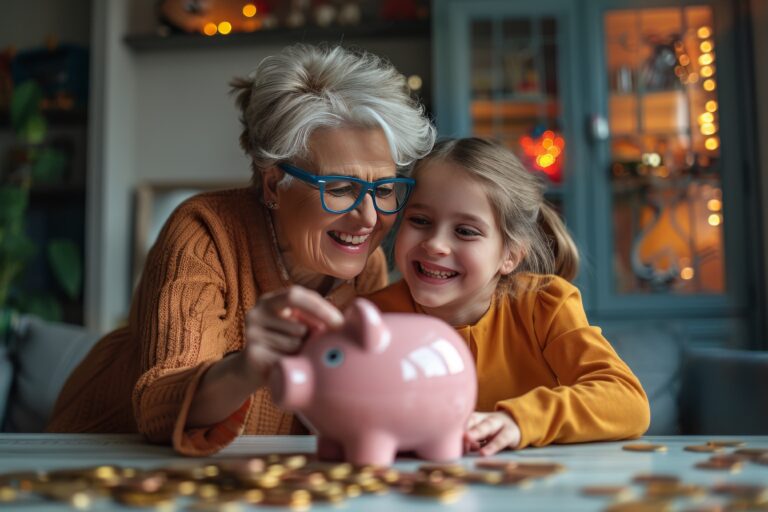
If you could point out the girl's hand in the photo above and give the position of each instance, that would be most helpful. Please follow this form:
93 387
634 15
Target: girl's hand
279 324
490 432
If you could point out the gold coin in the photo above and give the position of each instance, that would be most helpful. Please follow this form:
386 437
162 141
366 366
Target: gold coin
495 464
673 490
649 478
640 506
158 499
741 490
704 448
539 468
445 469
7 494
294 461
747 504
446 490
483 477
618 492
726 443
644 447
751 453
719 465
313 479
294 498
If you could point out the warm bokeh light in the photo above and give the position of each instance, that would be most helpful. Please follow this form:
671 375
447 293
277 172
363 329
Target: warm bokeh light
703 32
708 129
714 205
706 46
707 71
714 219
712 143
545 152
414 82
249 10
684 60
706 117
709 85
210 29
693 78
225 27
687 273
705 59
711 106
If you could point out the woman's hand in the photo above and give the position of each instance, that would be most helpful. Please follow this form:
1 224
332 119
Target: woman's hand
490 432
279 324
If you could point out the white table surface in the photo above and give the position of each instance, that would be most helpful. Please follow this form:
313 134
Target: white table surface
586 464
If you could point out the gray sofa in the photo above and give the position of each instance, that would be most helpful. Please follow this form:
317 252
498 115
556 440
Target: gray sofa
692 390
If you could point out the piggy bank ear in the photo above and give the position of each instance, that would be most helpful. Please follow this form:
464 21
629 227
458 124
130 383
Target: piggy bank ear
365 325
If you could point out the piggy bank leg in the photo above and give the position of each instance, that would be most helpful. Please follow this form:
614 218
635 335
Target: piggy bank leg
328 449
448 446
371 448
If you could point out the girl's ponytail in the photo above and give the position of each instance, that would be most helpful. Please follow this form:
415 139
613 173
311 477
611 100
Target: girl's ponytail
564 251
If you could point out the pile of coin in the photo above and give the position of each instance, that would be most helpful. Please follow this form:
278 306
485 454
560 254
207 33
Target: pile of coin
294 481
658 491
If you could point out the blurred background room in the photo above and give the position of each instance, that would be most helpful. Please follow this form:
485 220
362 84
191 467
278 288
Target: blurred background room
647 118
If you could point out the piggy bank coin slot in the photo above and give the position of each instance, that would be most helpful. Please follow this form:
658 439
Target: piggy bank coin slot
333 357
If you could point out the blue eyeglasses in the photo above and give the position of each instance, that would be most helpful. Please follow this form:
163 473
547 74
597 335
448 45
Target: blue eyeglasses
342 194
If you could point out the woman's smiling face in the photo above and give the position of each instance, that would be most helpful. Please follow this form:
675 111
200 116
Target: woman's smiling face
315 242
449 247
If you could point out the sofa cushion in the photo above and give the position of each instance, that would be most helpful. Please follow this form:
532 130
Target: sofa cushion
725 392
43 354
654 353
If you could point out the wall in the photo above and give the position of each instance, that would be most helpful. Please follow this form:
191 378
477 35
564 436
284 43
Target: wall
27 23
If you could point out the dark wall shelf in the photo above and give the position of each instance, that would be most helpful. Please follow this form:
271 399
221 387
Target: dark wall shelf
309 34
55 118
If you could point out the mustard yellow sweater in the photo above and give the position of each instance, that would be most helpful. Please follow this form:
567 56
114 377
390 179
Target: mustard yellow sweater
212 260
539 360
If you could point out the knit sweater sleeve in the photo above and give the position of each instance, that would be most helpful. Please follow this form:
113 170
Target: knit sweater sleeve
597 396
183 325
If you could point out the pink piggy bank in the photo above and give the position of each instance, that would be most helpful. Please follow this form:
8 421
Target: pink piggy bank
383 383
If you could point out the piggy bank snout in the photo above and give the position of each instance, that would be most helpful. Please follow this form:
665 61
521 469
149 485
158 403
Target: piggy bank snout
291 383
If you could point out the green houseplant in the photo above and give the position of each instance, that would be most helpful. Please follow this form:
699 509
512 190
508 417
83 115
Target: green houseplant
31 161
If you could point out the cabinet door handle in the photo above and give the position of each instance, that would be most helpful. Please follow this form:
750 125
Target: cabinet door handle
599 129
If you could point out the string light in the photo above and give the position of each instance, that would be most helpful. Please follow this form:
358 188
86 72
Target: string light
704 32
712 143
225 28
249 10
709 85
210 29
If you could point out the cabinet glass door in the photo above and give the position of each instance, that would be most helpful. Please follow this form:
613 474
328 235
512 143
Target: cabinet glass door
513 65
665 166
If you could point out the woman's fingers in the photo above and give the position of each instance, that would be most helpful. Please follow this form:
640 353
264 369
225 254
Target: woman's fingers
306 306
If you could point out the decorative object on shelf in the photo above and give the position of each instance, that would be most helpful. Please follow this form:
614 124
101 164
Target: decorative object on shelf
216 17
33 161
60 70
543 150
349 13
658 71
324 13
403 10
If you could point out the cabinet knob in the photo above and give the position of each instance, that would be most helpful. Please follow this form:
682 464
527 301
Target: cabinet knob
599 128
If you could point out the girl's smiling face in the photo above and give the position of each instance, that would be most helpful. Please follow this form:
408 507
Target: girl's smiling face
449 247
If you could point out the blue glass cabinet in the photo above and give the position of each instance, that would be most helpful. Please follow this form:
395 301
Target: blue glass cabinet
634 112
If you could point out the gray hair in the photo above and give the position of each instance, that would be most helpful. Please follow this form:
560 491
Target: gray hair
303 88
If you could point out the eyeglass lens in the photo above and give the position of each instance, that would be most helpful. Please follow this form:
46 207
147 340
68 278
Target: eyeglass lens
340 195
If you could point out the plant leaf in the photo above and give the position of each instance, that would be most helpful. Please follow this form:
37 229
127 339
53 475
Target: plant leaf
13 203
66 262
49 166
25 104
43 305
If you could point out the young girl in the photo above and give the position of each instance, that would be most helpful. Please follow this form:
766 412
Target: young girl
479 248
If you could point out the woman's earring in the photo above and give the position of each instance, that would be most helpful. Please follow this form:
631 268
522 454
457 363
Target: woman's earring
272 205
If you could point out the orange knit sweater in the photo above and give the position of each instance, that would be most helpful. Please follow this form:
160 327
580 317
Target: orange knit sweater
211 262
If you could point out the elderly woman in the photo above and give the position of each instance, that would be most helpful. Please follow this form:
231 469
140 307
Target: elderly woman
326 130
